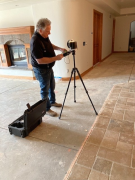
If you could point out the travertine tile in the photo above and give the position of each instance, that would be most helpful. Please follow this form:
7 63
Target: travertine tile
102 122
127 94
129 116
127 138
110 103
103 166
112 134
125 107
96 136
106 112
133 158
110 139
95 175
126 87
127 127
120 172
116 91
115 156
113 96
131 102
129 107
88 155
79 173
133 163
124 90
132 83
132 90
115 125
118 114
121 126
122 101
124 147
118 86
120 106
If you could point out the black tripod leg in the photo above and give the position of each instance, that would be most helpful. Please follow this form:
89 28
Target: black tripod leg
86 91
66 93
74 86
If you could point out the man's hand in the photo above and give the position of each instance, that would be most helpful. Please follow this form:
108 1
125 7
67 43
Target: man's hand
63 50
59 57
59 48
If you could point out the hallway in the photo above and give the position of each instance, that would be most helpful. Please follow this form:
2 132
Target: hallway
77 147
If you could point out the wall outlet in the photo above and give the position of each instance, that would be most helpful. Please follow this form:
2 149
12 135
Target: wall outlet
67 70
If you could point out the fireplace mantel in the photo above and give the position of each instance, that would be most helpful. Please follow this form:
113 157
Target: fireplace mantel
17 30
4 52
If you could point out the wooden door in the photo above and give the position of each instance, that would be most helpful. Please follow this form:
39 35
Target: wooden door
97 36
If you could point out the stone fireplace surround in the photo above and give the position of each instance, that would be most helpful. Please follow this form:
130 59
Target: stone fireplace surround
15 36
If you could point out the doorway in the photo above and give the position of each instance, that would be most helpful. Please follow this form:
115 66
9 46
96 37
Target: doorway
97 36
131 47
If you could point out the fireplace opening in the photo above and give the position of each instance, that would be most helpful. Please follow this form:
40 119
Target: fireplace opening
18 55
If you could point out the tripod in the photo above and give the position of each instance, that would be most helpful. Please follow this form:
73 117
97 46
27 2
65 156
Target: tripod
74 70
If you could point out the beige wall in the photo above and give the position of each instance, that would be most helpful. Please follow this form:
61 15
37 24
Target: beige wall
74 20
107 34
70 20
122 32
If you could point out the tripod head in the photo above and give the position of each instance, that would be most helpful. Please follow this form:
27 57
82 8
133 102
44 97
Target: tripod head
68 52
73 52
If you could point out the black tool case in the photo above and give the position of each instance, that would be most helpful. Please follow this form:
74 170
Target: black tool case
31 118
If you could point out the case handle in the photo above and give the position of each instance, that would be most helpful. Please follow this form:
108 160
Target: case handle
28 105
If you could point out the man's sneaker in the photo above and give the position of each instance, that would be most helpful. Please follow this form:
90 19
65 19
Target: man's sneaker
51 113
56 104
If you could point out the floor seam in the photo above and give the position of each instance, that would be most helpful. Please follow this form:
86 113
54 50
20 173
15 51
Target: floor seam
12 88
54 143
3 128
47 141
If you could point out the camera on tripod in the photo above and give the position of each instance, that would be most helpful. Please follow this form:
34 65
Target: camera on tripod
72 45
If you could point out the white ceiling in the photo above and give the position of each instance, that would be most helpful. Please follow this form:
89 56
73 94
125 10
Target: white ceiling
111 6
11 4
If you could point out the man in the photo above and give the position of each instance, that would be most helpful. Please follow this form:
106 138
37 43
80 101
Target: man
43 59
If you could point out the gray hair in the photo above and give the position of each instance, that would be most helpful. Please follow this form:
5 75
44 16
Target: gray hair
42 23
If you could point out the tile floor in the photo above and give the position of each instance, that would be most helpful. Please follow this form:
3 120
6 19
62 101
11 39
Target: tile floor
109 150
80 146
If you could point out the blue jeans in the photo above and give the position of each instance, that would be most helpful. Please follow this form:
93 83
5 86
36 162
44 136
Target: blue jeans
47 85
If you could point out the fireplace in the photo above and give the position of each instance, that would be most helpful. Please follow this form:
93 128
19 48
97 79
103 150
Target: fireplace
17 55
15 46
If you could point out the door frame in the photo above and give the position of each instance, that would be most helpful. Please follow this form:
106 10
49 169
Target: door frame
100 39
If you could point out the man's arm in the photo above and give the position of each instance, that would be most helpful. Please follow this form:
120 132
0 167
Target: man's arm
47 60
58 48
